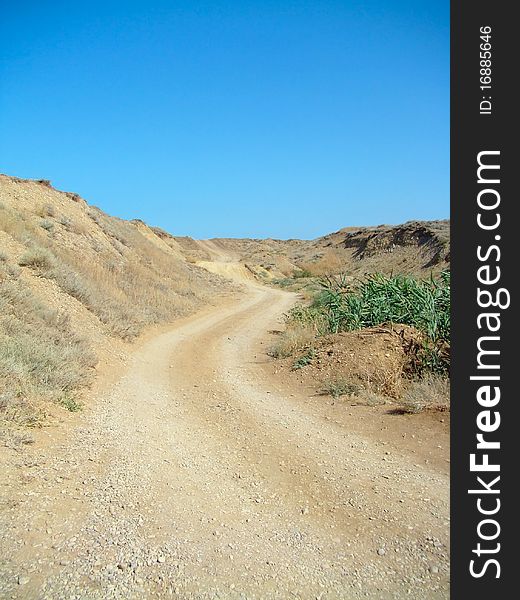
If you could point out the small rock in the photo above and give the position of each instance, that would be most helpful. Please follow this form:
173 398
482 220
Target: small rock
381 551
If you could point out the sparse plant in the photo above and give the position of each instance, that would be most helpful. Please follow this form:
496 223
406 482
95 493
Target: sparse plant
339 386
70 403
369 398
40 356
295 338
17 409
46 210
327 263
15 224
431 392
45 182
46 224
15 437
305 359
119 231
65 221
9 271
38 258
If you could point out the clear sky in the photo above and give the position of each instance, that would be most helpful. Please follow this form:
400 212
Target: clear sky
232 118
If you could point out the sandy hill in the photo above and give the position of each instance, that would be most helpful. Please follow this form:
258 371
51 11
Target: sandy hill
416 247
74 283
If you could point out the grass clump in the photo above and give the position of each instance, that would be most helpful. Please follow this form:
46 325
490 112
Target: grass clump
389 299
302 273
38 258
70 403
46 224
338 387
429 393
296 338
46 210
65 221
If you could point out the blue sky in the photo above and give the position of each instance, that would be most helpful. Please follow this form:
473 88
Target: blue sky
238 118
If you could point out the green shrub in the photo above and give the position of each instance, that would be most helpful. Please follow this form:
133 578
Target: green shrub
389 299
70 403
344 305
302 273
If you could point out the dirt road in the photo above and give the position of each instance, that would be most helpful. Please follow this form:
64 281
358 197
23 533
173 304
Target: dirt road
194 476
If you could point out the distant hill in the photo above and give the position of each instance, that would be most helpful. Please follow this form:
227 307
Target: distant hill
416 247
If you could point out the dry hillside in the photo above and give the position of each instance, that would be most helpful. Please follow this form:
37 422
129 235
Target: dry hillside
416 247
74 282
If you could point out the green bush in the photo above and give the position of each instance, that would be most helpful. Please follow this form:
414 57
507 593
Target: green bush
390 299
301 273
346 305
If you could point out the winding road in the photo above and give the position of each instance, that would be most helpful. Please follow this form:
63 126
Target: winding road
193 475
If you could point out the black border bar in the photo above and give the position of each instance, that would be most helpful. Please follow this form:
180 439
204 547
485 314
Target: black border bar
475 129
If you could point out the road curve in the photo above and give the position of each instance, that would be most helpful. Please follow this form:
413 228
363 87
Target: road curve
195 477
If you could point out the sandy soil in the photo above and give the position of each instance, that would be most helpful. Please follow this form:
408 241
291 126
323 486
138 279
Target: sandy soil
197 472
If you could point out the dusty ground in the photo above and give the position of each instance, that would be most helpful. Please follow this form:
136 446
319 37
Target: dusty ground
197 471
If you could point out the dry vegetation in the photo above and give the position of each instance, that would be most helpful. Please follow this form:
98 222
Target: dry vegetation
431 393
69 275
40 355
